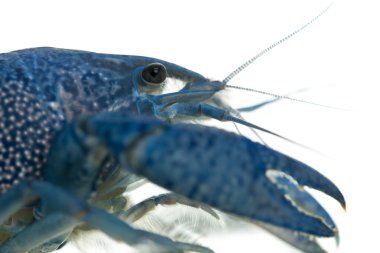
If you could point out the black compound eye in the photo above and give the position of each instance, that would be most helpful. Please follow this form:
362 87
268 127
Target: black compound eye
154 74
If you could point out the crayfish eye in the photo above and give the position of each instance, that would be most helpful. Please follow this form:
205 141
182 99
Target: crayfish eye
153 75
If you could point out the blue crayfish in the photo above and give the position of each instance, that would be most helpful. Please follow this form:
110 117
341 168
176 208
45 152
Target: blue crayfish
75 126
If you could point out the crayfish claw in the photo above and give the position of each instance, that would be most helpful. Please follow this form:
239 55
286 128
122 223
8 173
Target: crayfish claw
307 176
221 169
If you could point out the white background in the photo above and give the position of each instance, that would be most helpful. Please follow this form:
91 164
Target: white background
336 58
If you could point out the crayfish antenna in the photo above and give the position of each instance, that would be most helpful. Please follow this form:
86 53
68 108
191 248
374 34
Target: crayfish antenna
267 102
253 126
226 113
266 50
277 97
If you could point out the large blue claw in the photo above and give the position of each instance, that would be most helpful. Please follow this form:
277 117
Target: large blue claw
222 169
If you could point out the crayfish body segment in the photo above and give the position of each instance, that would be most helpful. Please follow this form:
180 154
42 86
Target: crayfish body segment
71 120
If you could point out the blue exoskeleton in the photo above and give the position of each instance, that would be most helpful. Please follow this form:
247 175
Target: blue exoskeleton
75 125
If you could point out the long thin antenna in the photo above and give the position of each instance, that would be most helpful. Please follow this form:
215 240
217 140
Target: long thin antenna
282 97
266 50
